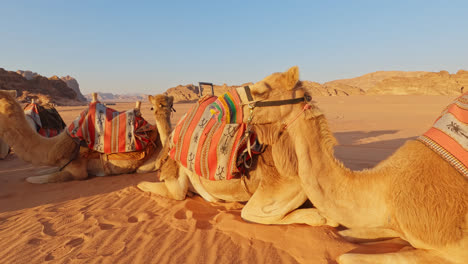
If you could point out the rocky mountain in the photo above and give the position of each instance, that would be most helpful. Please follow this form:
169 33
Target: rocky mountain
369 80
29 85
110 97
432 83
73 83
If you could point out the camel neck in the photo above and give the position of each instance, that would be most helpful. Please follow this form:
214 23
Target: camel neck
34 148
163 125
328 184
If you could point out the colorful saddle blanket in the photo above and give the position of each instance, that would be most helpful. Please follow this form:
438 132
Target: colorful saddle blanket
449 134
109 131
47 120
210 137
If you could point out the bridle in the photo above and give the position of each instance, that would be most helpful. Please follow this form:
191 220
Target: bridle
252 104
260 103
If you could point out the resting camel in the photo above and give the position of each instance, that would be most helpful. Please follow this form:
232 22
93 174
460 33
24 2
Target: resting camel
63 152
4 148
271 198
415 194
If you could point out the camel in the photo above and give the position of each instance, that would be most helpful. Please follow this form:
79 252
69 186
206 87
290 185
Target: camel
4 148
75 162
415 194
271 198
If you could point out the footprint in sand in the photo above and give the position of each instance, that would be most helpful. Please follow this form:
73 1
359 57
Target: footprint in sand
47 228
65 249
140 217
201 214
106 226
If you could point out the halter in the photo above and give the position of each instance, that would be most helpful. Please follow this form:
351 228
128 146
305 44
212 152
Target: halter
260 103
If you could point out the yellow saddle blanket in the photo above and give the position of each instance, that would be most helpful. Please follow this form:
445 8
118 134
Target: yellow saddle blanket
449 135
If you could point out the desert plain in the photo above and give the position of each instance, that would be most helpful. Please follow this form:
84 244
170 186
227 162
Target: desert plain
109 220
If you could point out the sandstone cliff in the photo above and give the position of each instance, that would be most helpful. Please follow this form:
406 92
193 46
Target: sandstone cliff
432 83
73 83
369 80
30 85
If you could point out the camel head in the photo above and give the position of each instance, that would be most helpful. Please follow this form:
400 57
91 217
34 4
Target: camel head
9 108
274 99
162 105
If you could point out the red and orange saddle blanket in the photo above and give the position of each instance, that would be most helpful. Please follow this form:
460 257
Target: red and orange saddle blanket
46 119
108 131
210 137
449 135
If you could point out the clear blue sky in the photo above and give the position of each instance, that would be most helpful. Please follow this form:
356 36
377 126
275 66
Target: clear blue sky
149 46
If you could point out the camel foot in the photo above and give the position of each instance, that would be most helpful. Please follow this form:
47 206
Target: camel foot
38 179
158 188
360 235
147 167
60 176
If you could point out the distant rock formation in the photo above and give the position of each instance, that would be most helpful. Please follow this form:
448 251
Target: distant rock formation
189 92
432 83
109 97
331 89
29 75
30 85
369 80
73 83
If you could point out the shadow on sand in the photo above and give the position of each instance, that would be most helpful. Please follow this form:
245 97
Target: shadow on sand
360 150
17 194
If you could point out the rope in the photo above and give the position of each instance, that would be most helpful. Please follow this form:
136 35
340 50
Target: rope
306 107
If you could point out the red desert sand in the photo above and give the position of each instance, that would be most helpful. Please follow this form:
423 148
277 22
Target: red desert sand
108 220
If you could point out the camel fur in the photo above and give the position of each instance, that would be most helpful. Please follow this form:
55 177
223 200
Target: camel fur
4 148
271 198
414 194
63 152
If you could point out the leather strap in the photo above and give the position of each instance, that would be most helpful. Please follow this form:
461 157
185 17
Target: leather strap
271 103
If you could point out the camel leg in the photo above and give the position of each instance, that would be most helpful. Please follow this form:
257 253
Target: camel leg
417 256
358 235
274 202
149 165
76 170
174 188
47 171
197 186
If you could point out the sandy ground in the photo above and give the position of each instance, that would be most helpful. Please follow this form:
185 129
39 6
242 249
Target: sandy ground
108 220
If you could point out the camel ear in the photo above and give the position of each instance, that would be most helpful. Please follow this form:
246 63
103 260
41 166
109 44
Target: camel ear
292 77
150 98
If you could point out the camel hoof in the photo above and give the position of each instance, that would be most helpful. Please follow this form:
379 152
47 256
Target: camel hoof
38 179
147 186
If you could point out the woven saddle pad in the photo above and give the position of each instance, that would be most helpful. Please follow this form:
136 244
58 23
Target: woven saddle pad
449 135
106 130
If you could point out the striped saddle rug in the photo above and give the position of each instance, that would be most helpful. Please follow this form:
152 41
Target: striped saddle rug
449 135
47 120
210 137
108 131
